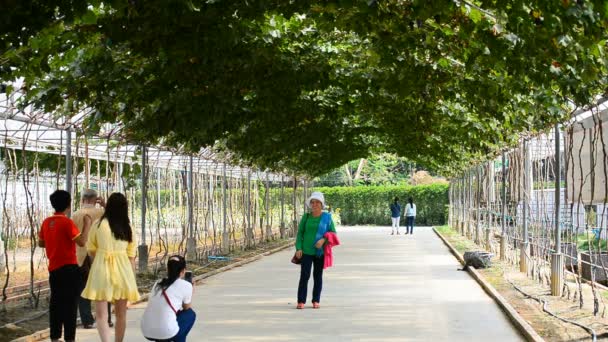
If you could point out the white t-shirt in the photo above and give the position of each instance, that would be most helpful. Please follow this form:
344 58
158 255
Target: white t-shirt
410 210
159 320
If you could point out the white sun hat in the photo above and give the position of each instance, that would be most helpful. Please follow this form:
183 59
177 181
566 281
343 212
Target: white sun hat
316 196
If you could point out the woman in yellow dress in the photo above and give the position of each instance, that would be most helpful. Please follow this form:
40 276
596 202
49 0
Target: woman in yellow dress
111 244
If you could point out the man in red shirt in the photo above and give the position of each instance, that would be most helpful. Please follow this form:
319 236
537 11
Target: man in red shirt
59 235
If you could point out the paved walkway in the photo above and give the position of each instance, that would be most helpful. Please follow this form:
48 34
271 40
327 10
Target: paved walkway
383 288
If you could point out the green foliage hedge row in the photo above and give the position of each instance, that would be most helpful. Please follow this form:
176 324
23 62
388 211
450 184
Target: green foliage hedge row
370 204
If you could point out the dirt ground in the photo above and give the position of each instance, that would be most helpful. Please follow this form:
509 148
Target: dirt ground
502 274
9 315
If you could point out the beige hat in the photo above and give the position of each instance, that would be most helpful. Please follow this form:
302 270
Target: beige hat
317 196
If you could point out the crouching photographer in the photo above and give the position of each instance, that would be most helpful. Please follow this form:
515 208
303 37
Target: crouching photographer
169 316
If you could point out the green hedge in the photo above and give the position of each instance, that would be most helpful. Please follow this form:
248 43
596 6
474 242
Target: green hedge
370 204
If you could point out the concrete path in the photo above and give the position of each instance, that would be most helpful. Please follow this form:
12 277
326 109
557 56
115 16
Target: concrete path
383 288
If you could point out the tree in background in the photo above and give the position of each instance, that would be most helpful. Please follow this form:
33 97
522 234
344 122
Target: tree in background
424 178
380 169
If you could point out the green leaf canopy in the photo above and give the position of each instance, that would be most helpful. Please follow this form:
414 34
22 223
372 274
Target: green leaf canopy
305 86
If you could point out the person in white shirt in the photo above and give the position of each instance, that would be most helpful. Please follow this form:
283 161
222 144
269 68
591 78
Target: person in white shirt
169 316
410 216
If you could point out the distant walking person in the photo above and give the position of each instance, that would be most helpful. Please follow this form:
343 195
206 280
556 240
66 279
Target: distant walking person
112 276
310 243
395 215
59 235
410 216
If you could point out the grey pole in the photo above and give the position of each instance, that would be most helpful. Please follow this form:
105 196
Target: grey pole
450 205
267 208
295 209
2 199
466 189
457 209
491 204
523 255
503 209
191 197
120 185
191 241
478 213
282 207
68 165
489 201
463 229
557 259
144 193
471 204
225 232
249 229
158 202
305 185
462 204
143 248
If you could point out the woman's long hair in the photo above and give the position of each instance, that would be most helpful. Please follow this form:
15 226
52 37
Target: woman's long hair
175 265
411 201
117 214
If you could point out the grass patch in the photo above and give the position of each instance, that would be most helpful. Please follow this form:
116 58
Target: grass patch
446 231
459 242
582 241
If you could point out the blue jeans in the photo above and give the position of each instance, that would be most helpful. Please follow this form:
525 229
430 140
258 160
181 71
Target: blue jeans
185 320
307 264
409 224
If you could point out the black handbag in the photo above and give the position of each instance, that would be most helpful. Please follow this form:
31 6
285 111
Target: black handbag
295 260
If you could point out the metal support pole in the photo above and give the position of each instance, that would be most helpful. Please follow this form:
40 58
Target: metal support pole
120 185
143 248
267 208
225 232
478 213
249 234
462 204
158 198
469 232
489 217
557 259
450 202
191 241
503 210
305 186
467 204
282 229
68 166
295 209
525 244
2 199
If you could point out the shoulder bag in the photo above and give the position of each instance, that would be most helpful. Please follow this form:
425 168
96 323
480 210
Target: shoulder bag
295 259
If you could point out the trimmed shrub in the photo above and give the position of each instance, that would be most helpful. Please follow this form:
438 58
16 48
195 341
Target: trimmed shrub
370 204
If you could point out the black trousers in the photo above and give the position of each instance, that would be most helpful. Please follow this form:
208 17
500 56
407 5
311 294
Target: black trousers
307 263
65 285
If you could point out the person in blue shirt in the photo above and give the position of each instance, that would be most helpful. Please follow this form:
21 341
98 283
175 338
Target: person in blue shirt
395 215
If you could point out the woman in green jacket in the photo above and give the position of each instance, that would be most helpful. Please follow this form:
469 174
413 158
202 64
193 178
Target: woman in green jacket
309 248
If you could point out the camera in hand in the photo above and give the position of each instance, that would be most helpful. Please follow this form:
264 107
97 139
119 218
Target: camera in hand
188 276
